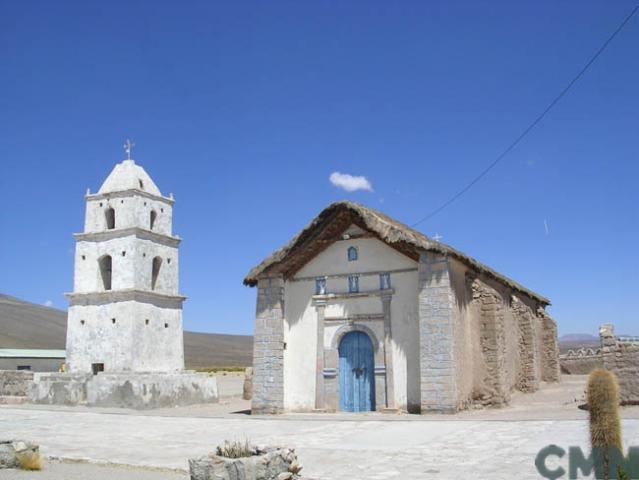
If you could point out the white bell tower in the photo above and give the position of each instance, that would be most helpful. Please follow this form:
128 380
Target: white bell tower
125 311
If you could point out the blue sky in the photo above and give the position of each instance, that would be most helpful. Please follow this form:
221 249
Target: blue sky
244 109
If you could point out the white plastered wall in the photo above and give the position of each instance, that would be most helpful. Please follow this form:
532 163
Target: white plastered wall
129 270
130 211
129 343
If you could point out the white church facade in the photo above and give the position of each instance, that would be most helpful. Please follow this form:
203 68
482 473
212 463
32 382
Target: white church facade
360 312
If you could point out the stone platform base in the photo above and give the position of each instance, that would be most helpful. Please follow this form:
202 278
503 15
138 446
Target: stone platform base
13 400
124 390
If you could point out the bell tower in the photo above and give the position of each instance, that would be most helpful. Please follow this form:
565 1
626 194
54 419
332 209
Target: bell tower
125 312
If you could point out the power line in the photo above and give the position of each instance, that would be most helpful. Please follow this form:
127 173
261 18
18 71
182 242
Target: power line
534 123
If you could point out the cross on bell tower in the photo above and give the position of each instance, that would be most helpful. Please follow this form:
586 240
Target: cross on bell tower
128 146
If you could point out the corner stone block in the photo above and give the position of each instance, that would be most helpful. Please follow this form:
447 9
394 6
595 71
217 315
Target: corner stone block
436 303
268 347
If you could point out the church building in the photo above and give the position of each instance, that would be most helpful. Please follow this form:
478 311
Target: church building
359 312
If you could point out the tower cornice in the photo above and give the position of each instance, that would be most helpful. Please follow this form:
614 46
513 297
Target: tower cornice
138 232
126 295
129 193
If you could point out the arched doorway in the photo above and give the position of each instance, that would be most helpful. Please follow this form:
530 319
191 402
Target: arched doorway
356 373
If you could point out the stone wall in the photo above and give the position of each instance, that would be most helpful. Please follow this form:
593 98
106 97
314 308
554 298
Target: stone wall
144 391
514 348
15 383
268 347
581 361
59 389
621 357
529 375
269 463
518 339
551 371
437 316
493 389
124 390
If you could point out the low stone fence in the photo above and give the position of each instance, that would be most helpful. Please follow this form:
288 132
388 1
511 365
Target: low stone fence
15 383
581 361
621 356
124 390
151 390
59 388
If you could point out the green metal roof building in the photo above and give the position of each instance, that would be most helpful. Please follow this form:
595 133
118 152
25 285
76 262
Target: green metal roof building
37 360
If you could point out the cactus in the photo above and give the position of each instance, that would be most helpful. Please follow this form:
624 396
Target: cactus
603 405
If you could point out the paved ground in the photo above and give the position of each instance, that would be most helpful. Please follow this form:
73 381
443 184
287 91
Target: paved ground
496 444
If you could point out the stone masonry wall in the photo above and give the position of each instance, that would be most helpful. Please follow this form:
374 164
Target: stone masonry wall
494 388
581 361
622 358
15 383
517 340
528 380
551 371
437 311
268 347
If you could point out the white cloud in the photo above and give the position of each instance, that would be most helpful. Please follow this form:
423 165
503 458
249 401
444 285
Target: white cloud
48 303
350 183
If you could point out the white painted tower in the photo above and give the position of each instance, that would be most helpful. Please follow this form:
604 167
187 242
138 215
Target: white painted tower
125 311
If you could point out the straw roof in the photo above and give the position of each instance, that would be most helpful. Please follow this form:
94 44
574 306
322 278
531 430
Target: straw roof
328 227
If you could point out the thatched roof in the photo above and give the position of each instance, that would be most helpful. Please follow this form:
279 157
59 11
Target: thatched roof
337 217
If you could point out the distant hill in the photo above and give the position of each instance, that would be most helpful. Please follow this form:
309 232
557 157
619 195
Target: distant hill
28 325
577 340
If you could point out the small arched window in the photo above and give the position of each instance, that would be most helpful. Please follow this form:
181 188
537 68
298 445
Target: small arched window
105 271
157 263
352 254
109 217
141 183
154 215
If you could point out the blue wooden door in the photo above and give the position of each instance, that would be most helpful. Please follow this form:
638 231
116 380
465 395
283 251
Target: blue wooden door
356 373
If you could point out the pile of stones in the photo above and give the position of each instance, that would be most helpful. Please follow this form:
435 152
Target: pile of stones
19 454
268 463
14 386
